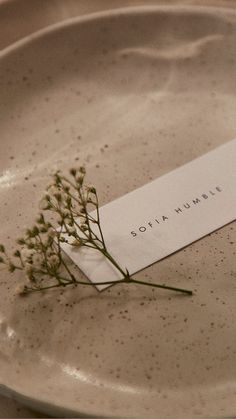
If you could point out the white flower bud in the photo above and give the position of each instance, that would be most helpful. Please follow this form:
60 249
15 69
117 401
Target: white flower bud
51 233
53 190
91 189
20 289
84 227
66 213
37 260
71 230
27 254
44 204
54 261
79 179
28 269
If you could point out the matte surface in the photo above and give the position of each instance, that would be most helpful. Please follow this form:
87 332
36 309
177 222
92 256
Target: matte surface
131 104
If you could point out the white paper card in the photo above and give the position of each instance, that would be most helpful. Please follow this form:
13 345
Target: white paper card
165 215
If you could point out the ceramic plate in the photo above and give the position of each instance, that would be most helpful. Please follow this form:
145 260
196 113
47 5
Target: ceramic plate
38 14
131 94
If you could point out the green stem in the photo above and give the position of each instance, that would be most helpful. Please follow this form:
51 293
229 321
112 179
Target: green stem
111 259
98 222
166 287
126 280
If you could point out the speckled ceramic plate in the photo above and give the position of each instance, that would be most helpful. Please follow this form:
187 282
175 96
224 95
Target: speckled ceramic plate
132 94
39 14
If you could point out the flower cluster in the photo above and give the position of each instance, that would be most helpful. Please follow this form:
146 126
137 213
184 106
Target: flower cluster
39 256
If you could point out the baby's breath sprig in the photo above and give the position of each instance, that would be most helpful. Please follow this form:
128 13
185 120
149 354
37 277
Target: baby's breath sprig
40 255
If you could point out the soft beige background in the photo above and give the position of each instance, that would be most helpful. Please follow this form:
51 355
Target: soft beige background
20 18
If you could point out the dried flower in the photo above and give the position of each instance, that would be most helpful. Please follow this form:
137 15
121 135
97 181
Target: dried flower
21 289
11 267
54 261
40 255
45 203
73 172
26 254
17 254
91 189
2 248
71 230
29 269
38 260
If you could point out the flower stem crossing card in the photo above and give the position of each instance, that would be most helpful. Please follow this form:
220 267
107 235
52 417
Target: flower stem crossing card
165 215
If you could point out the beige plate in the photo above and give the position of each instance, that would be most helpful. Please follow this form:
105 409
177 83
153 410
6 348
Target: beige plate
132 94
39 14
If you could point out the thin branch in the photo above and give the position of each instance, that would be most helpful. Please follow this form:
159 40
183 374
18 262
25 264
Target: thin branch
39 240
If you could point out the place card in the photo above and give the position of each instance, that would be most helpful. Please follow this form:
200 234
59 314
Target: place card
167 214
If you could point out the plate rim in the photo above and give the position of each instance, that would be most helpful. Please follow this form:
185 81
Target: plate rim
106 14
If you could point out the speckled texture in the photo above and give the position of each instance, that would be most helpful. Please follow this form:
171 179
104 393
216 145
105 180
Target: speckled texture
20 18
132 95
